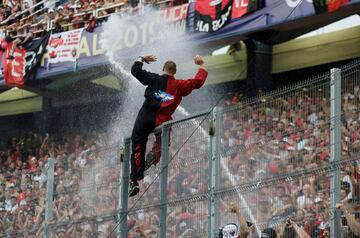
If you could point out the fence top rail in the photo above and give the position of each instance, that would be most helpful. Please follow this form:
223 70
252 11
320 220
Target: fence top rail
183 119
28 10
316 80
313 81
351 65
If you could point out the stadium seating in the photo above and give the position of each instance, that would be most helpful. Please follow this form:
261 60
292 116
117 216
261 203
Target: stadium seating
290 140
273 136
22 17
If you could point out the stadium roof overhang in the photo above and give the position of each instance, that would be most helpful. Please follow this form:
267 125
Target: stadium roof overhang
18 101
292 55
65 90
277 33
295 54
290 30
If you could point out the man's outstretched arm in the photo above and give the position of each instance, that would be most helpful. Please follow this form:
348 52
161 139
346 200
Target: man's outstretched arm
143 76
186 86
244 228
350 218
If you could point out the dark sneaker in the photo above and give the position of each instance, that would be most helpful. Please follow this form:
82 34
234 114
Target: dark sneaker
156 160
134 188
150 158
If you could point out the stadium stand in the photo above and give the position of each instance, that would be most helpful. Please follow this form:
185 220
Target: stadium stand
19 18
270 137
277 134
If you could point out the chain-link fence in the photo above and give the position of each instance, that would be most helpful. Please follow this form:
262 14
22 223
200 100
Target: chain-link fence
278 163
272 158
85 193
23 204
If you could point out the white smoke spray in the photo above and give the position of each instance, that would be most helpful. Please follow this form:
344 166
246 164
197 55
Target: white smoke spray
155 37
146 35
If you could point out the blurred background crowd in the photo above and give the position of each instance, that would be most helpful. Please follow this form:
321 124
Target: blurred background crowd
23 183
284 134
261 140
20 18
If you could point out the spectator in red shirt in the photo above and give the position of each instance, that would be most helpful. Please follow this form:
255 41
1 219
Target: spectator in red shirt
162 96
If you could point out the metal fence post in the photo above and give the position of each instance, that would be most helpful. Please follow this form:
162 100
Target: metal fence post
49 196
214 173
124 191
335 148
165 137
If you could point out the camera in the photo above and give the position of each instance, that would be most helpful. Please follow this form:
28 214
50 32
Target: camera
230 230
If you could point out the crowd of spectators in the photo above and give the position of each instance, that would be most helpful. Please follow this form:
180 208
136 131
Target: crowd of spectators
271 137
85 186
22 21
282 134
286 134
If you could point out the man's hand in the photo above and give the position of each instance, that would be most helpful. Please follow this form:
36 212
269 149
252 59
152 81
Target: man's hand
339 206
199 60
141 233
289 222
149 58
233 208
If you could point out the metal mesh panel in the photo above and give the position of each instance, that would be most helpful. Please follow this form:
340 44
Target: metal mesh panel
101 226
274 155
22 211
149 185
286 133
86 191
144 222
263 139
188 179
143 208
188 218
189 159
188 156
350 82
270 205
350 145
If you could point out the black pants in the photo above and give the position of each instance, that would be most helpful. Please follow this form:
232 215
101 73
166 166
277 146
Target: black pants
144 126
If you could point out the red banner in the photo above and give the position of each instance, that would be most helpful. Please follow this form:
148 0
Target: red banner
239 8
333 5
176 13
242 7
211 15
14 69
24 62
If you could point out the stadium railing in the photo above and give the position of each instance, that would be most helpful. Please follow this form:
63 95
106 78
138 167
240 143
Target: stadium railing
96 13
270 155
26 217
86 196
273 156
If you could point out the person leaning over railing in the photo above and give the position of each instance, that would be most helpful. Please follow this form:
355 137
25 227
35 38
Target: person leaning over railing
162 96
45 18
244 230
91 18
58 20
288 230
20 40
350 218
